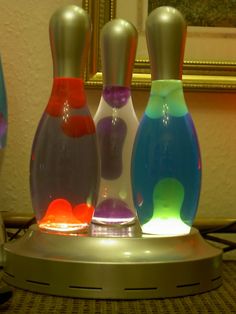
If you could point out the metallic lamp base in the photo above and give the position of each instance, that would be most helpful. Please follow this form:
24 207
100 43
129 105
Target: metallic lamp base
112 263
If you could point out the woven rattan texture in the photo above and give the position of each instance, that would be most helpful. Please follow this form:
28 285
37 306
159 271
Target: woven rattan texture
221 300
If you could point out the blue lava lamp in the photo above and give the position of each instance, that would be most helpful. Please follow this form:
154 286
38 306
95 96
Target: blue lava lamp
166 162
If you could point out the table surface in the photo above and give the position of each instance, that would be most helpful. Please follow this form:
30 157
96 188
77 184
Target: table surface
221 300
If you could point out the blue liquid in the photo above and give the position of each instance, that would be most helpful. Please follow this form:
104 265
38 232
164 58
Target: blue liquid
166 149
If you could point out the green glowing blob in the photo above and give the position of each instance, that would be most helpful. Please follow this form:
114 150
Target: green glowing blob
168 196
166 98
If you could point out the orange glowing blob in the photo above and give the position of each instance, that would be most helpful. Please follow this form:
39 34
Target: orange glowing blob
59 212
83 212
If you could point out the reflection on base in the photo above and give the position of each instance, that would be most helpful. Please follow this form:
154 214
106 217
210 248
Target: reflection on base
63 227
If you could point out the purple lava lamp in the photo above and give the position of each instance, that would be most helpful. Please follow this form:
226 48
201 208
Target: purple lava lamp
116 124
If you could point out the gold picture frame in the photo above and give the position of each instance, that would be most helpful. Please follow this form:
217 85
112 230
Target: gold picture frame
199 75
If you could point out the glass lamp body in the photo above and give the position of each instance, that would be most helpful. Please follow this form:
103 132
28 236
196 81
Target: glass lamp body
3 110
64 168
116 126
166 163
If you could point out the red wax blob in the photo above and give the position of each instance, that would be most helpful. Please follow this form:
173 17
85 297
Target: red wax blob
77 125
83 212
59 211
66 91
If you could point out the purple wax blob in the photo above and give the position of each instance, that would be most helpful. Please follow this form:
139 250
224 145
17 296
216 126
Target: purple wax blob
111 134
113 208
116 96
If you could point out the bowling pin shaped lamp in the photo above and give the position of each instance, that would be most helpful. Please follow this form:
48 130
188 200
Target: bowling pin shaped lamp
64 168
116 124
166 163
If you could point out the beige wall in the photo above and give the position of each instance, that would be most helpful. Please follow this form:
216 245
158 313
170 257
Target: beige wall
24 47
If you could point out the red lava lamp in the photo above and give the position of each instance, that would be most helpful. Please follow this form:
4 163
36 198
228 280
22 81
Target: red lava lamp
64 168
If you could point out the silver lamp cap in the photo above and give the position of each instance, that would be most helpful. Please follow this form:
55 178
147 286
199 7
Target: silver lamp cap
118 49
166 33
70 30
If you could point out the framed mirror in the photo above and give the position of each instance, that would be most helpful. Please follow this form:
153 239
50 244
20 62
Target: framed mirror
210 54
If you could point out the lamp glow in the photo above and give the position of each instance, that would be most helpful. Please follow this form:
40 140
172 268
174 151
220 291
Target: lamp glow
168 197
166 227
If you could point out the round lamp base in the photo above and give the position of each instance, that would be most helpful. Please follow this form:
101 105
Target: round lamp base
112 263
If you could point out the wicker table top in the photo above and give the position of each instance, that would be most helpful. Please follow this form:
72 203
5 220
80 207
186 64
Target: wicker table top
221 300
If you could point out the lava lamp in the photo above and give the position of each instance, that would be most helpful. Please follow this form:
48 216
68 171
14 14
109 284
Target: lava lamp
166 162
116 124
64 168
